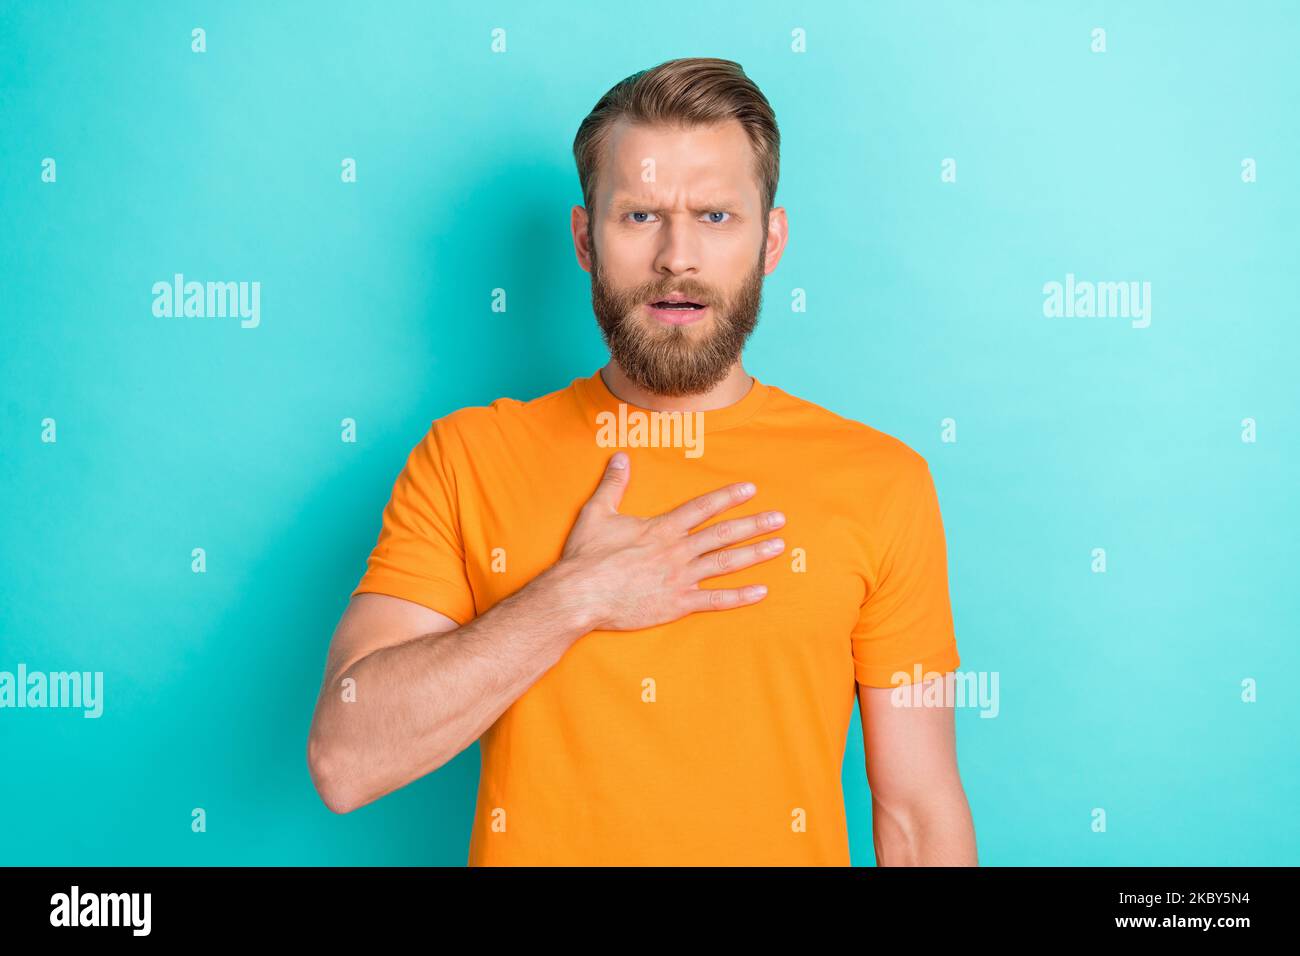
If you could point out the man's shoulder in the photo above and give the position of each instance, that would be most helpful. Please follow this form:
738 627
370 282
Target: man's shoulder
862 445
471 423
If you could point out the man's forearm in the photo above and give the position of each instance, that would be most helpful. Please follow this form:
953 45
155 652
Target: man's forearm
418 704
938 833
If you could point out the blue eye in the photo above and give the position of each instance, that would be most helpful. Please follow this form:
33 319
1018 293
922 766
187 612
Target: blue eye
716 222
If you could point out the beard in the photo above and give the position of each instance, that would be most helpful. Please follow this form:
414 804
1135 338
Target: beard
676 359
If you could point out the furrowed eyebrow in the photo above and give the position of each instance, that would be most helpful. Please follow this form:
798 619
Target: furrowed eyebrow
620 206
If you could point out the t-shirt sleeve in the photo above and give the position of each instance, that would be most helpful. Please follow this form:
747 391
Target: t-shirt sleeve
906 618
420 554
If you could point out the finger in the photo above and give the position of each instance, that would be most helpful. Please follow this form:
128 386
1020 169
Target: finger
734 529
720 599
686 516
733 559
609 493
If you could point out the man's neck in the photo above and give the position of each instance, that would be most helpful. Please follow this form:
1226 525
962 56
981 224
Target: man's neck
731 389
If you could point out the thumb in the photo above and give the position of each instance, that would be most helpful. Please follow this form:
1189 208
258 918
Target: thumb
613 482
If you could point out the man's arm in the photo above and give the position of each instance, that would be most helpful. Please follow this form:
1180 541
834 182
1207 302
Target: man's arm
423 689
919 812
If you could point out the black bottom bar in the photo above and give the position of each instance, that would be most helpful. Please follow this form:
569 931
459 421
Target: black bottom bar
557 904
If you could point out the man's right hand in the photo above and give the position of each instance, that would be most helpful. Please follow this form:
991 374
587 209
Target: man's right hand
638 572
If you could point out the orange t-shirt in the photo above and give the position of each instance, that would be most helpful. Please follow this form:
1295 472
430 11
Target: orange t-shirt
718 738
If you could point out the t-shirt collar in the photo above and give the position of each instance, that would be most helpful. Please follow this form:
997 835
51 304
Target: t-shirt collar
596 397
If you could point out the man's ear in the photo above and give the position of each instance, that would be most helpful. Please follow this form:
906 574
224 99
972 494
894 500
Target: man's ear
579 226
778 233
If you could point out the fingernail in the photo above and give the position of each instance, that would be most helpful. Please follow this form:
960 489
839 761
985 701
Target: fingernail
747 488
618 461
757 590
773 545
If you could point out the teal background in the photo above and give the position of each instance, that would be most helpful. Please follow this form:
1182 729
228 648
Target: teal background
1118 690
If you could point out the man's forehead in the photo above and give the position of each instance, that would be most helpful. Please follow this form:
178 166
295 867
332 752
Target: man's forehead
653 164
679 145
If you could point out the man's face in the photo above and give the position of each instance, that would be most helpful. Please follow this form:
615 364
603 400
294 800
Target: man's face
693 230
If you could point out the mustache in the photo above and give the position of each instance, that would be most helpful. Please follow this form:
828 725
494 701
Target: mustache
692 293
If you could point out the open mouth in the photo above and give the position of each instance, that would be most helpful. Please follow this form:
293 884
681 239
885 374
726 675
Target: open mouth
677 306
